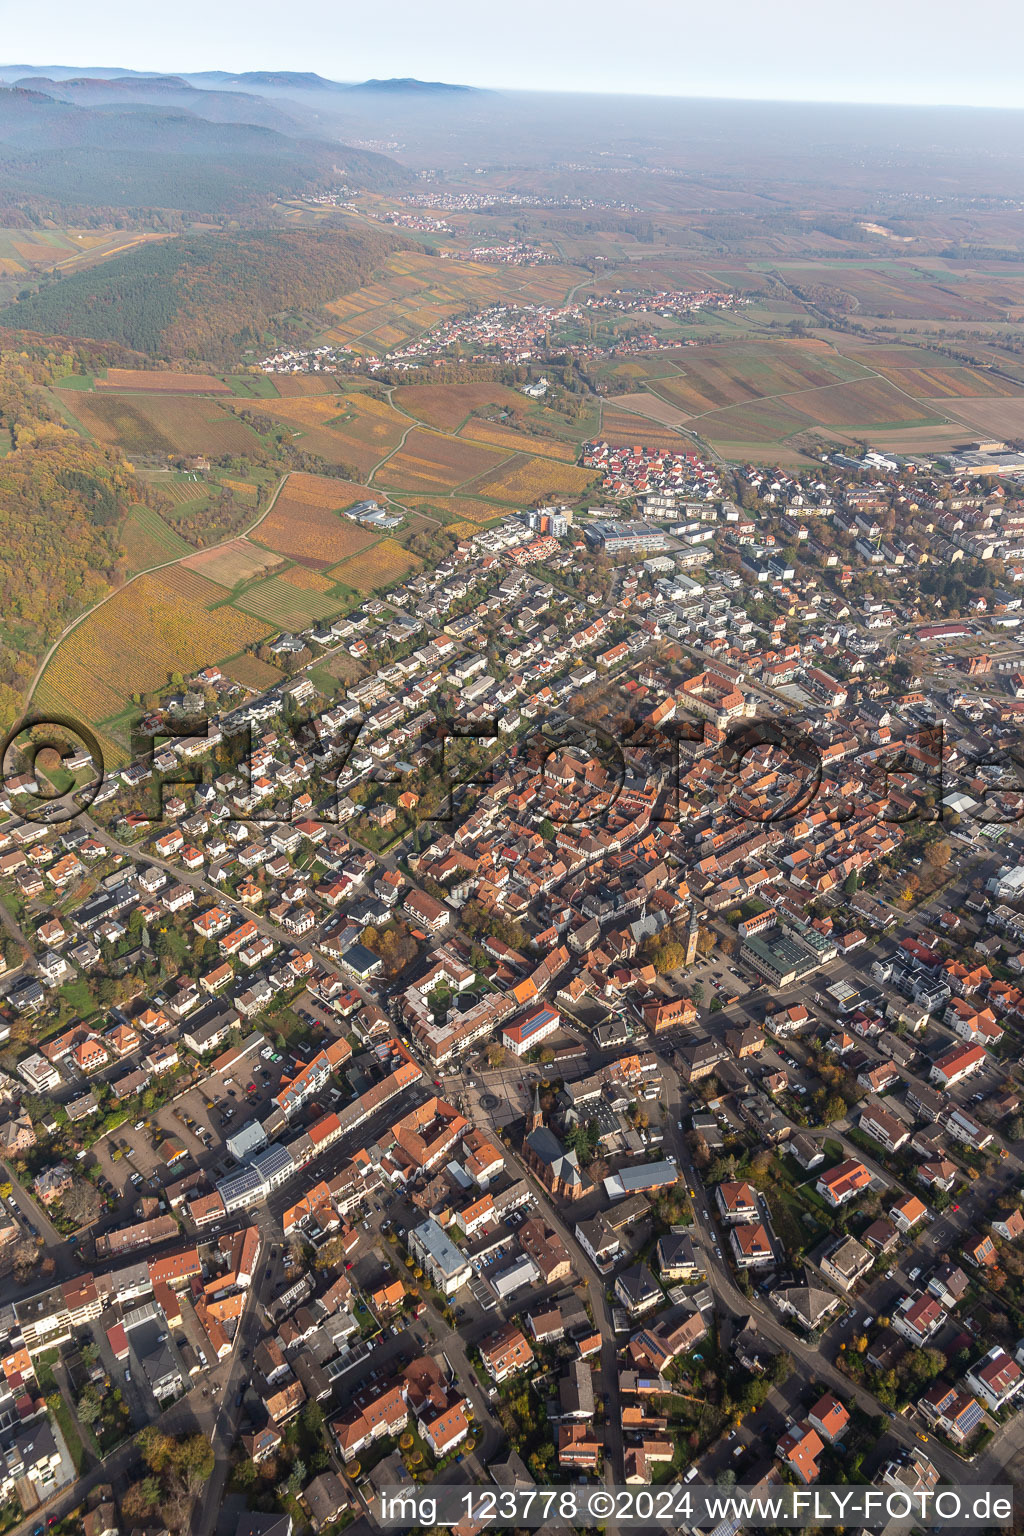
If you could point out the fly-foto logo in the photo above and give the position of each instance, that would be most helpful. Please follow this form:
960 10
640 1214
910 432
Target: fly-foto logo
53 768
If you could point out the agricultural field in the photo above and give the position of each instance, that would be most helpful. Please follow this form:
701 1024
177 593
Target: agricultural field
429 461
938 383
141 424
446 406
287 606
181 489
156 625
714 377
252 673
228 564
291 386
306 523
354 429
147 540
493 435
415 291
163 381
381 566
524 479
994 416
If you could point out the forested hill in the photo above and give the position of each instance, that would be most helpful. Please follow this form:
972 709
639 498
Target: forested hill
58 155
204 297
62 501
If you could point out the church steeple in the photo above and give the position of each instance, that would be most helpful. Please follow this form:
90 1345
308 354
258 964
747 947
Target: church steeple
536 1116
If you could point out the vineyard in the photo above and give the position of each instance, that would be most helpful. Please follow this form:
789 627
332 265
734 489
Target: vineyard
287 606
415 291
381 566
496 436
189 585
307 581
429 461
134 642
524 479
166 381
181 492
252 673
306 525
446 406
290 385
147 540
159 424
943 383
351 429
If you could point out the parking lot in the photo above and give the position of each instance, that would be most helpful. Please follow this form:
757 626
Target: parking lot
196 1123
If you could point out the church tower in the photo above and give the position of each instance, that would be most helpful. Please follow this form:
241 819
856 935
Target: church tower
536 1119
691 935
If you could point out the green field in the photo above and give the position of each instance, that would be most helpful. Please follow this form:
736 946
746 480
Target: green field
286 605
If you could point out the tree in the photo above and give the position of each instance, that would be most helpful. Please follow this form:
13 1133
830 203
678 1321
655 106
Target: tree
140 1500
937 854
157 1449
194 1461
834 1109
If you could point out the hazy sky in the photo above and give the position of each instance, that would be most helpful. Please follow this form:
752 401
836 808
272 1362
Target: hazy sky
915 51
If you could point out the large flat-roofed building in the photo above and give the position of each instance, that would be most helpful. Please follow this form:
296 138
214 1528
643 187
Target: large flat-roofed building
639 1179
613 537
781 957
447 1267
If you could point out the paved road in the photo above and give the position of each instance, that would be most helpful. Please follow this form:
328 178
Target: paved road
730 1299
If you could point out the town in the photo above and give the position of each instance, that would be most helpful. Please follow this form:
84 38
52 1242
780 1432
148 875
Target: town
526 1065
513 333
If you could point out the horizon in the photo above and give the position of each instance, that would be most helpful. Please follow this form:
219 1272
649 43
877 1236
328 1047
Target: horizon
471 87
785 56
